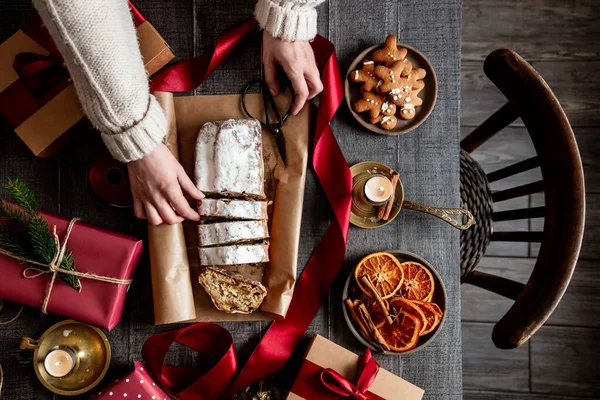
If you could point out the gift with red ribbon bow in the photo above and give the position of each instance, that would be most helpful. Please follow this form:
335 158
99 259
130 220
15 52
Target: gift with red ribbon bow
331 372
35 88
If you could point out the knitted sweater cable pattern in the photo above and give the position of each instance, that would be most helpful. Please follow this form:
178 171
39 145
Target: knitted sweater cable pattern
98 42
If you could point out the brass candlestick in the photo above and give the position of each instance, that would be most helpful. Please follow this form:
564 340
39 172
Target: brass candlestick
90 349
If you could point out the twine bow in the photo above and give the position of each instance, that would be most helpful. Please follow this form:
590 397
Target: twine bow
54 266
365 376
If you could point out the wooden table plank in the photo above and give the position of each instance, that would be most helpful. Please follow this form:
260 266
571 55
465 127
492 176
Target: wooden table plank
428 164
427 159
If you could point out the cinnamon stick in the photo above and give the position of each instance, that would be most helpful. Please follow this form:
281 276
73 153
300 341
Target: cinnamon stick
378 339
384 210
359 321
365 279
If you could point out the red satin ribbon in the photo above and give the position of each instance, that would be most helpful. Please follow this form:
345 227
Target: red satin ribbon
188 74
209 382
334 175
315 382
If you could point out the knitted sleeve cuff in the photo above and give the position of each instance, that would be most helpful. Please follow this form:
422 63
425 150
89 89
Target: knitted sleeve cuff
139 140
286 20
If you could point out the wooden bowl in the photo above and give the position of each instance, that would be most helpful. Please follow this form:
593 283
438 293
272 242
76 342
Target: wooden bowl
428 94
439 297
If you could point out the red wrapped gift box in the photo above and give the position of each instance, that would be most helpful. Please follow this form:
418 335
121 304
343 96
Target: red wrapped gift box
138 384
95 251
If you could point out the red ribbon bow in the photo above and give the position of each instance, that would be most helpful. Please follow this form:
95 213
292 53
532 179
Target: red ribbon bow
365 376
212 379
39 73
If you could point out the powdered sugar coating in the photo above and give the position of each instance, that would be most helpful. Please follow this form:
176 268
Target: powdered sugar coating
231 232
229 158
236 254
233 209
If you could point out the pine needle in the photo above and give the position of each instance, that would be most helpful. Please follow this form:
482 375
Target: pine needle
26 234
23 196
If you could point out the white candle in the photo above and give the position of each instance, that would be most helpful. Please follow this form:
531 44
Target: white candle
59 363
378 189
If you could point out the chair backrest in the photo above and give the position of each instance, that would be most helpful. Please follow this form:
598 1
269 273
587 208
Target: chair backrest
530 98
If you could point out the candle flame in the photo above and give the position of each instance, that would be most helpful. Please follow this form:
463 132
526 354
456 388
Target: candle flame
381 188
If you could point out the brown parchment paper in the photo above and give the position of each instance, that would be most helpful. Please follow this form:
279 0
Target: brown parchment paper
170 269
283 185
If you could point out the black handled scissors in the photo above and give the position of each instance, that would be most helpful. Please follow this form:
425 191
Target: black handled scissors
271 108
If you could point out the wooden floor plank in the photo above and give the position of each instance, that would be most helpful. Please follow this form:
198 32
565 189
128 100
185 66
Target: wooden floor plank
485 395
564 360
590 248
578 306
486 367
506 148
575 84
537 29
513 144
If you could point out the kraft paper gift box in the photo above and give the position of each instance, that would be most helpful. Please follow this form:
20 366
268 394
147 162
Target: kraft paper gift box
42 108
323 354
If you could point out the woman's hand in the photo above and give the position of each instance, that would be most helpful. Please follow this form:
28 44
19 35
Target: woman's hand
158 182
298 62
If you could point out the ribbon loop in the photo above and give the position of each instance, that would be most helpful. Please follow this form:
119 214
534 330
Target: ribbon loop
365 376
39 73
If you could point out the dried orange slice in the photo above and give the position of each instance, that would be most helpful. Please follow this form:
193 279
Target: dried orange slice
418 282
401 303
403 334
384 271
432 317
377 315
436 309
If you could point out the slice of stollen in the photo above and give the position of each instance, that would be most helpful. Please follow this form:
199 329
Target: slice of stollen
229 159
231 292
234 254
220 233
232 209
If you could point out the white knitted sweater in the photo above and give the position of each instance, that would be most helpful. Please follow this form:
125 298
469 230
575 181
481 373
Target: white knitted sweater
98 42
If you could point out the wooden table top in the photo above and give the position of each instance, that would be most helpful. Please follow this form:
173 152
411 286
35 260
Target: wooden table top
426 158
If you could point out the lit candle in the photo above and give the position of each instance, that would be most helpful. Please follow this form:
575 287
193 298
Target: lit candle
378 189
59 362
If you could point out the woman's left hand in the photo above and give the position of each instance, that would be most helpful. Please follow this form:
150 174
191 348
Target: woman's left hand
298 62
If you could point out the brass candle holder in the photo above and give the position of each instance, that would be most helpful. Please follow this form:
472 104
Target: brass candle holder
364 210
87 345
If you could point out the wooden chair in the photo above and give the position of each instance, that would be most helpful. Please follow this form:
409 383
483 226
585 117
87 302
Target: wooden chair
530 98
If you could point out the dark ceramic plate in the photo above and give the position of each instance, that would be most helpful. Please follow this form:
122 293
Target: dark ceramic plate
439 297
428 94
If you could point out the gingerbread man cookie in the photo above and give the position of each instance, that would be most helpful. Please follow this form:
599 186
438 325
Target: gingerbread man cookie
407 101
397 76
373 103
365 75
387 122
390 52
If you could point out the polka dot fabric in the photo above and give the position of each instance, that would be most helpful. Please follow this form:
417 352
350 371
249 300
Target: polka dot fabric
138 384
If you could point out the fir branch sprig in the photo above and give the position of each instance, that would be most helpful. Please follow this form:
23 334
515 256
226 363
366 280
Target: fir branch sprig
24 233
